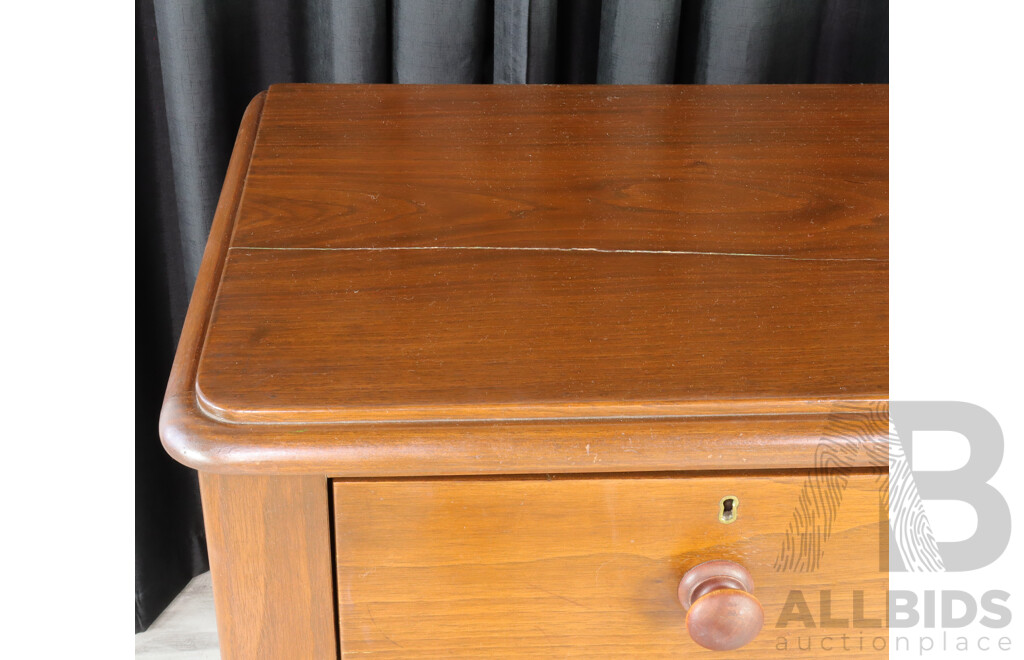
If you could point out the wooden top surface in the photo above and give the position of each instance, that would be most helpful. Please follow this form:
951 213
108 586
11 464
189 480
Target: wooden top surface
400 257
784 170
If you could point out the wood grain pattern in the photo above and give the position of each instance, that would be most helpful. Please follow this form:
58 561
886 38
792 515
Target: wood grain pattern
445 335
269 539
588 567
409 449
320 359
795 170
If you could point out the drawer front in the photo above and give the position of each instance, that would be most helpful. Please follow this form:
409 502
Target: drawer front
589 567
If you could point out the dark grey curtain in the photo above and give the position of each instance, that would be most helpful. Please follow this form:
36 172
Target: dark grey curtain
198 62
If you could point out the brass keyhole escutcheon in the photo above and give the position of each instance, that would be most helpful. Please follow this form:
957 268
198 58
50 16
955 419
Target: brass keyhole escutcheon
728 509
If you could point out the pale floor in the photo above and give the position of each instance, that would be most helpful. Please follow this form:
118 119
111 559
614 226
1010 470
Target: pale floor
186 630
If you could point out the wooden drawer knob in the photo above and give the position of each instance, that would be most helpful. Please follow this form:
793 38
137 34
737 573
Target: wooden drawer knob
722 613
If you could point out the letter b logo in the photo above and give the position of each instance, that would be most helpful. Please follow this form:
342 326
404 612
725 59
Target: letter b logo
911 545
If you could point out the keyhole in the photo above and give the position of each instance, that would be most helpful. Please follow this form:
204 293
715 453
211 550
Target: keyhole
727 509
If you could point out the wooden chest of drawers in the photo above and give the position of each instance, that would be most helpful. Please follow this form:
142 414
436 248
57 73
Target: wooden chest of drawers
485 372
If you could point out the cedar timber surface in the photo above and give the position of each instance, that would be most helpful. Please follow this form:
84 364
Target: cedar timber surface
463 280
588 567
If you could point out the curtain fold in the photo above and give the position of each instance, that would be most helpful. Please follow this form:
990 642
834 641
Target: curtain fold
757 40
524 41
199 62
853 42
441 42
638 41
195 119
348 41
